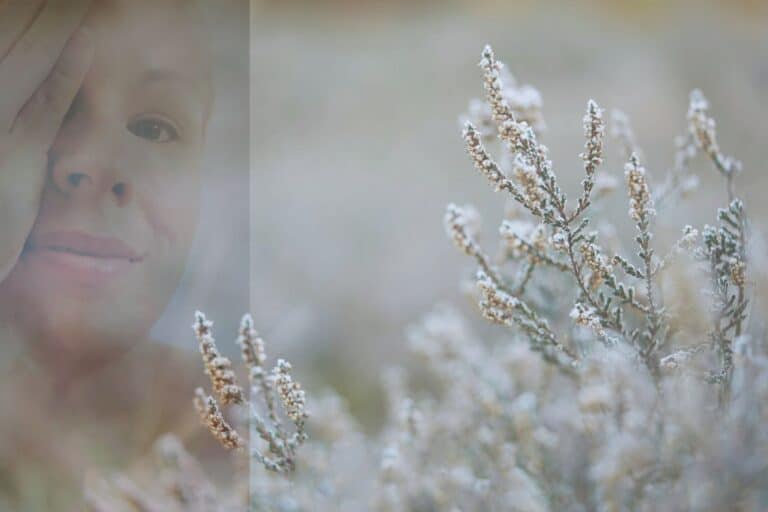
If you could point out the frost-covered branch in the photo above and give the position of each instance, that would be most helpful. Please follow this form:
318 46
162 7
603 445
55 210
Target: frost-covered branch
277 386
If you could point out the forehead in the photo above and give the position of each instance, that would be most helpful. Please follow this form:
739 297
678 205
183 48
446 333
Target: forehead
132 36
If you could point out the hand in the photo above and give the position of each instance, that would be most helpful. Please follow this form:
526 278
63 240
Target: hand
44 57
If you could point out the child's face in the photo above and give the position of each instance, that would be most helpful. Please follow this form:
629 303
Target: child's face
120 205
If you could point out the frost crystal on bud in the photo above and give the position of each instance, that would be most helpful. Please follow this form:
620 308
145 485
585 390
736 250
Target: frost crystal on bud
594 131
461 225
587 316
640 202
690 238
559 241
702 129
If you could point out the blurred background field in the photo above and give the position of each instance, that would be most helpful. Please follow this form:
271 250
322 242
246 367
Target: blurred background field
356 147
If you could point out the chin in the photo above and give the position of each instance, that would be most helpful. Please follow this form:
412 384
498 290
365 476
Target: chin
87 300
82 317
80 326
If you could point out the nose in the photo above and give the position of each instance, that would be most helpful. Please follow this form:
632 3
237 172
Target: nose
81 174
73 181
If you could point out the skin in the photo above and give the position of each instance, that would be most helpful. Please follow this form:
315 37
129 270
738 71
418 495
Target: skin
104 136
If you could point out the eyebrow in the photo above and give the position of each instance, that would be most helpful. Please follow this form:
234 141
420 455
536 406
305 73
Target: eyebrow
168 74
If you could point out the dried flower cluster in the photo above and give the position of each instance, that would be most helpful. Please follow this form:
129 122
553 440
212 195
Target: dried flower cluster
212 417
282 445
505 97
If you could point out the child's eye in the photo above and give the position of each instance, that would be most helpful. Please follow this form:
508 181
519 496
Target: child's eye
153 130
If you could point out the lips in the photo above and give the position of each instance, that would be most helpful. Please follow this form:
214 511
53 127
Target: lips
79 259
83 244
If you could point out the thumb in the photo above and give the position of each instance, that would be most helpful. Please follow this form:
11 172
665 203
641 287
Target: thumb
43 114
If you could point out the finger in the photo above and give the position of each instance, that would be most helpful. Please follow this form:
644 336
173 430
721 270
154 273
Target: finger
43 114
22 182
34 55
16 16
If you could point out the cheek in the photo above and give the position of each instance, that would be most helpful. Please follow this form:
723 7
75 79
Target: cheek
171 201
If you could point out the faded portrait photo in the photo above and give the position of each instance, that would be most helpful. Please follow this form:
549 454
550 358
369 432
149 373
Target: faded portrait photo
123 179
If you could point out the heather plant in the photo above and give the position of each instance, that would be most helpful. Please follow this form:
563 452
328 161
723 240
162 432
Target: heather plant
652 430
618 296
597 391
599 398
270 445
275 387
